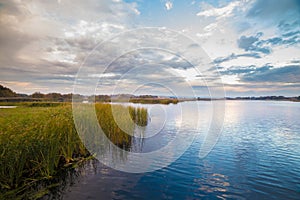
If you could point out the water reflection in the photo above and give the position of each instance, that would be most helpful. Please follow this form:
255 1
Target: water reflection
138 139
257 157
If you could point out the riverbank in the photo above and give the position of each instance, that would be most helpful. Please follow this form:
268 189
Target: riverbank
39 142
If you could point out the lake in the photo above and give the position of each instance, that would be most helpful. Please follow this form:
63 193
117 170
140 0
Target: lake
257 156
8 106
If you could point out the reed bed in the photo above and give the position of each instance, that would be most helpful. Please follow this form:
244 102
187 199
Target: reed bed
38 142
109 114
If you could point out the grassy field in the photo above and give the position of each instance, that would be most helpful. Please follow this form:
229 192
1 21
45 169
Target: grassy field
38 141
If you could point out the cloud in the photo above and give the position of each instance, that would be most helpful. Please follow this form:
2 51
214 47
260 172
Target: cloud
286 74
235 56
44 40
289 38
281 15
252 44
147 57
266 80
255 44
295 61
262 31
238 70
247 43
223 12
273 9
246 70
289 25
169 5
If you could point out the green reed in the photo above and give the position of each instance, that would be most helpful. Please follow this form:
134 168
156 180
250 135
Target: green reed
37 142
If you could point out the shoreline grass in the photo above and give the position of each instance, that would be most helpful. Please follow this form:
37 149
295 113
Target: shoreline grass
39 141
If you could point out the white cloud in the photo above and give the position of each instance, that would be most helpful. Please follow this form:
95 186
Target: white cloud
44 42
169 5
107 75
43 39
136 11
211 27
225 11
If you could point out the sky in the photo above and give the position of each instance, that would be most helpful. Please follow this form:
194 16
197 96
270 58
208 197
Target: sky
162 47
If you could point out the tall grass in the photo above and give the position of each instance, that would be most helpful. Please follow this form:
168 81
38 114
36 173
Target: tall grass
118 122
37 142
139 115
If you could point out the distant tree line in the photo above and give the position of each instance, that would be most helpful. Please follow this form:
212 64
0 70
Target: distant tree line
274 98
6 94
53 96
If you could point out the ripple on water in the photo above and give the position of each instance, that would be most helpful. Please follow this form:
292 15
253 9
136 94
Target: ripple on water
257 157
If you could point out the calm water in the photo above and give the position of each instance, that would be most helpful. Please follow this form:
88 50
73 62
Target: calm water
8 106
256 157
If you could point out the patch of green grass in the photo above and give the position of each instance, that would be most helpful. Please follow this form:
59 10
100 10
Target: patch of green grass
39 140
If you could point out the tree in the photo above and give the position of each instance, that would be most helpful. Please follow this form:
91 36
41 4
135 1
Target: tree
37 95
6 92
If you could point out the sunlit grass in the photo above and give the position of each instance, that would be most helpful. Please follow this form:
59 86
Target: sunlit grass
37 141
108 115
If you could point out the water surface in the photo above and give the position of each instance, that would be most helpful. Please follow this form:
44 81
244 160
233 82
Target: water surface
8 106
256 157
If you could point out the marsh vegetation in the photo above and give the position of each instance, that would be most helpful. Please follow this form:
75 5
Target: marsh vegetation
38 141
